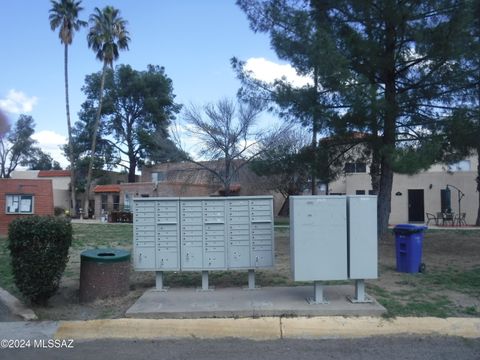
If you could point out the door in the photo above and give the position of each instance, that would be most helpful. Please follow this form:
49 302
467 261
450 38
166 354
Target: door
416 206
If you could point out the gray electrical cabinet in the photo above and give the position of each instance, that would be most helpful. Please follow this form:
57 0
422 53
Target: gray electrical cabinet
362 237
156 234
203 233
318 237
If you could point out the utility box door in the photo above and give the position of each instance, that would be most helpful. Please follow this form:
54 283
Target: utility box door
363 241
318 237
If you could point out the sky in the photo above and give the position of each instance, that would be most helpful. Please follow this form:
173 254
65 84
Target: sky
194 40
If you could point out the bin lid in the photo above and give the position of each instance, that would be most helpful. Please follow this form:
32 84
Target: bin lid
105 255
409 228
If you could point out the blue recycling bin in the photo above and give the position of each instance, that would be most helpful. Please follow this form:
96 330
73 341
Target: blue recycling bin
408 244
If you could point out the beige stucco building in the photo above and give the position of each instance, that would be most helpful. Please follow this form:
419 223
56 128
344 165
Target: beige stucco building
60 183
426 192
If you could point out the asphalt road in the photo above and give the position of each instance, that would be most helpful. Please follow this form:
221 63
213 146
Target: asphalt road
378 348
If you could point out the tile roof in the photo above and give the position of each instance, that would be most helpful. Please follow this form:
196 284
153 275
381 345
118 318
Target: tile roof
107 189
53 173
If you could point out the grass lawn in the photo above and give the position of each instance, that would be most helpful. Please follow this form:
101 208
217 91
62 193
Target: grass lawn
450 287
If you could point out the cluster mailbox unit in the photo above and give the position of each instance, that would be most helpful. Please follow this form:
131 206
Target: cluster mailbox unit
334 238
174 234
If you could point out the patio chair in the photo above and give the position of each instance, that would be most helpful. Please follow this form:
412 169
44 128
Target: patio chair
461 219
431 217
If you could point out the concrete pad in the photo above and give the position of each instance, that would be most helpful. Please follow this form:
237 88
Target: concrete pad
237 302
254 329
28 330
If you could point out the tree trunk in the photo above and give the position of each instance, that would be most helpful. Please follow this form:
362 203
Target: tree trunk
132 166
388 143
73 209
94 142
478 186
315 130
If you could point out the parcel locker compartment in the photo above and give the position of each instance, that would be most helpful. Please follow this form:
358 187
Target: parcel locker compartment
244 237
261 226
167 220
191 220
261 208
214 243
167 249
194 237
215 232
209 249
240 243
144 258
166 233
262 232
243 213
167 261
214 209
261 237
192 228
214 227
192 258
263 219
238 203
262 247
234 220
214 237
214 220
142 243
190 203
260 202
239 256
213 203
262 242
144 204
262 258
168 243
214 260
144 221
262 213
238 227
167 227
188 243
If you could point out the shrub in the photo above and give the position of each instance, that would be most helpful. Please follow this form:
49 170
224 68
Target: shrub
58 211
39 253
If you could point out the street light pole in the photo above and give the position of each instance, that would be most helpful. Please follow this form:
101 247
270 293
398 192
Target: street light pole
460 196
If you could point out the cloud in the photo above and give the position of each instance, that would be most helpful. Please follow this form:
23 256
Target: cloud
50 143
16 102
269 71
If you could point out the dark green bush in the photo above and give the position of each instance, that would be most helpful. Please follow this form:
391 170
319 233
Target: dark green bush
39 253
58 211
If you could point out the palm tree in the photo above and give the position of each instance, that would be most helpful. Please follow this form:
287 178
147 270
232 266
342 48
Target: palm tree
107 35
64 15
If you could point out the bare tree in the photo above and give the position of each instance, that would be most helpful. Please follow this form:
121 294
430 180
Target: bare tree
226 137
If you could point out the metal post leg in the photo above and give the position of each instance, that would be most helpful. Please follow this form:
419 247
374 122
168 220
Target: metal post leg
205 286
317 294
159 281
360 294
251 279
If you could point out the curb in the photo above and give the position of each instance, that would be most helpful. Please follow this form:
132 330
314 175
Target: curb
16 307
268 328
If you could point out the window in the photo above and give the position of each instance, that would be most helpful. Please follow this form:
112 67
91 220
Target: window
19 204
371 192
358 167
116 202
158 176
104 202
360 192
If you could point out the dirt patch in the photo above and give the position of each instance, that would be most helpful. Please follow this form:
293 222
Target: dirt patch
445 253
